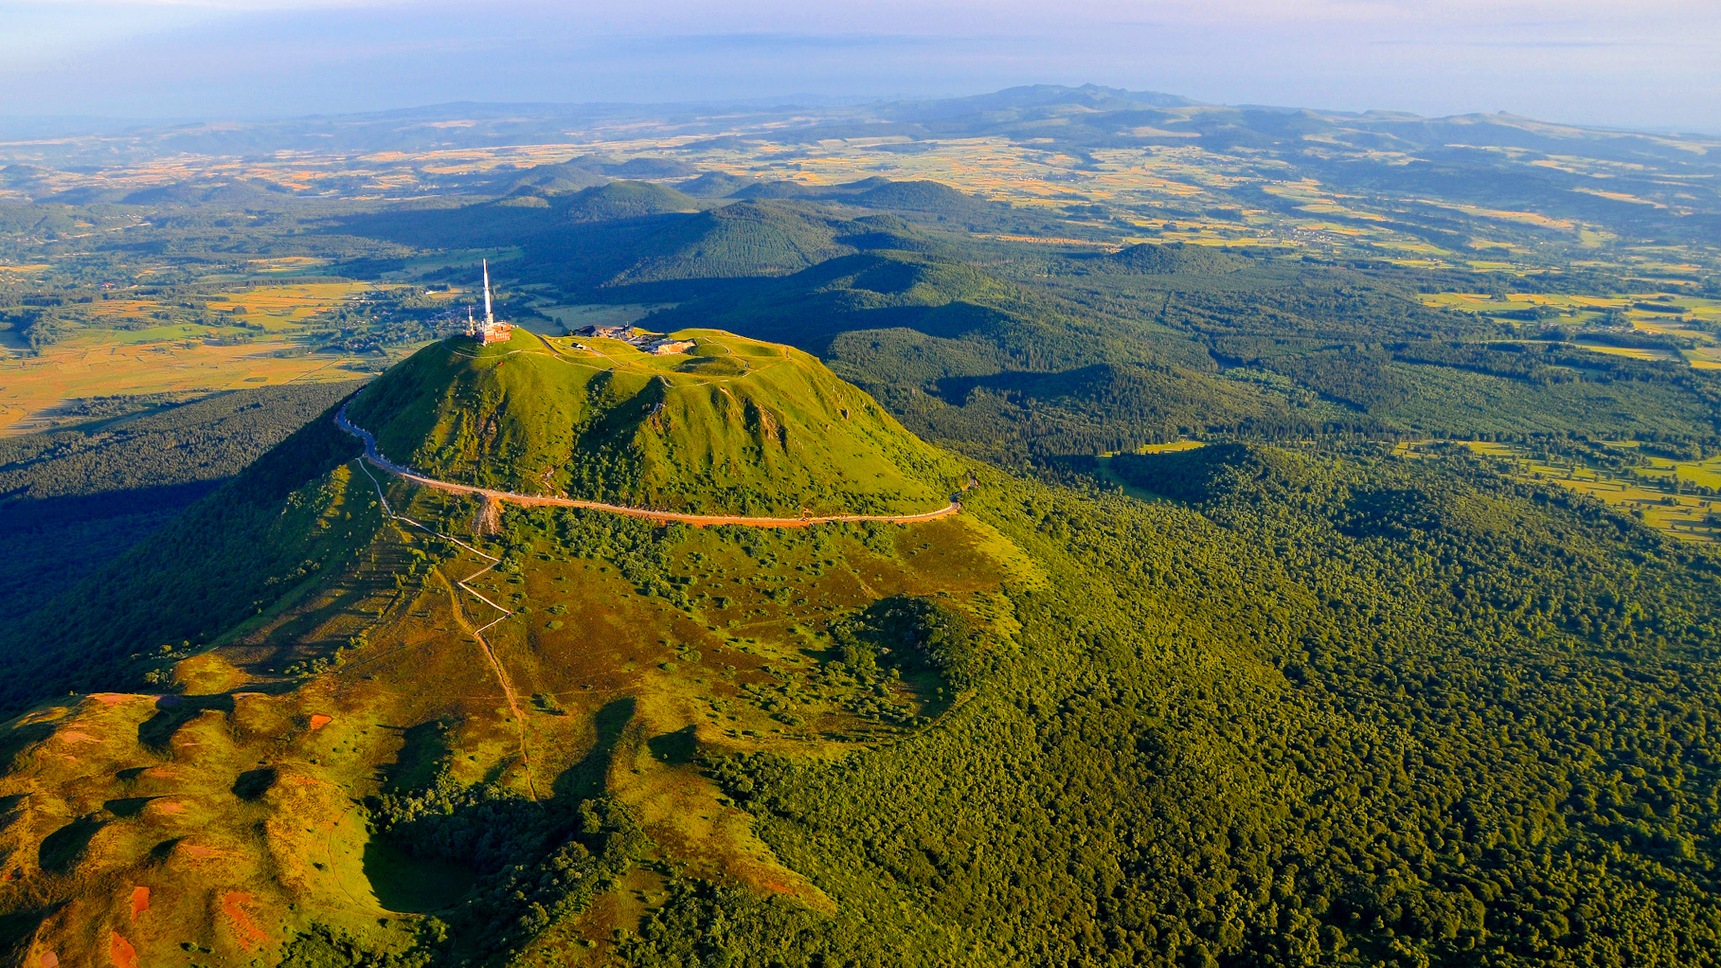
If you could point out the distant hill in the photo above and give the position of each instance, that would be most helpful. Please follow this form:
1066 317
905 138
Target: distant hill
552 179
236 193
1172 259
715 184
629 234
625 199
643 167
733 241
922 197
866 290
27 178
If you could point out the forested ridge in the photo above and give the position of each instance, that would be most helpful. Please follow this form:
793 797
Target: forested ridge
77 498
243 546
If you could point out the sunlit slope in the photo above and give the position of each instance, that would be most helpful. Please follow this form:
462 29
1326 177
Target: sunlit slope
734 425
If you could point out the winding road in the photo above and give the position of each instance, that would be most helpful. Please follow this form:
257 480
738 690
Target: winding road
697 520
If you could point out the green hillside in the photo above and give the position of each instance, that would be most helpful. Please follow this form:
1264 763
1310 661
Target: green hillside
737 240
1002 369
920 197
733 241
733 426
299 749
931 294
553 179
1172 259
629 234
626 199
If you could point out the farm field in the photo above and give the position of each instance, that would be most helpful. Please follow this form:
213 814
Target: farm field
290 304
1689 324
1674 496
31 389
1631 352
1651 311
260 335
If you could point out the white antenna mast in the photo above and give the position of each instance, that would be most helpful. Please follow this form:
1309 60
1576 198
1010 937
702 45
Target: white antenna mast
489 319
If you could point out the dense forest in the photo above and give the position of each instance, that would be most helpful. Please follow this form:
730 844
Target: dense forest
78 498
1326 708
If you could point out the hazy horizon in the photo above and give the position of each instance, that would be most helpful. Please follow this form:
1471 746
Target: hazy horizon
1576 62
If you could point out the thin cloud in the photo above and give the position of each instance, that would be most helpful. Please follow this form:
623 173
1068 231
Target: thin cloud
1524 44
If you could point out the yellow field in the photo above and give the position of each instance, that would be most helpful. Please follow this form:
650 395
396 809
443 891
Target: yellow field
1475 302
1634 352
1683 515
110 310
1046 240
1618 197
1634 490
1695 313
1527 218
286 263
292 303
1172 448
177 357
1705 473
89 367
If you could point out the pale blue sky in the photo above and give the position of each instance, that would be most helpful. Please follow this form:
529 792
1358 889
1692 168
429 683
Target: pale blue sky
1652 63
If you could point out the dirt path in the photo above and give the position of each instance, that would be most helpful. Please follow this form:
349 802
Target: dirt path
502 680
697 520
478 632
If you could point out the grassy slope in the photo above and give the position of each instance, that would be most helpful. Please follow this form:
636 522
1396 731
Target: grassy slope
735 426
331 660
632 648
